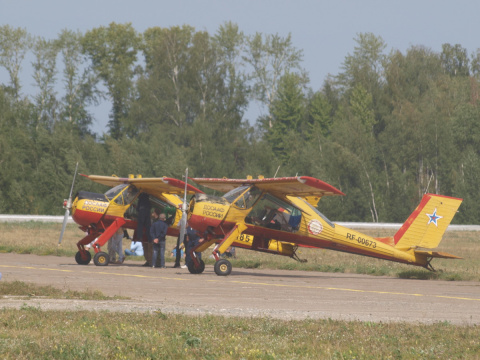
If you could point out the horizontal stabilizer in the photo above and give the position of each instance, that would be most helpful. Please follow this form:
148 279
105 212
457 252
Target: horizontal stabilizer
437 254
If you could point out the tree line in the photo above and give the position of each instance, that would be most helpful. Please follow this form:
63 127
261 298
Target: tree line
386 129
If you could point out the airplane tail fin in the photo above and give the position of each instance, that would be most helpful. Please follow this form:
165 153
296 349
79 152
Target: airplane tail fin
425 227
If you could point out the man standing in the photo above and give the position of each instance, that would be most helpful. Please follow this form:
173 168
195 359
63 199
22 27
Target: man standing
115 247
143 226
192 241
158 232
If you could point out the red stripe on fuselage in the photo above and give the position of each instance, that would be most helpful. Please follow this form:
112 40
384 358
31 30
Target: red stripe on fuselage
85 218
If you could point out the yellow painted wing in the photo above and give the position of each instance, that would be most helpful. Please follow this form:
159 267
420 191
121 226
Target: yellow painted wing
152 186
303 186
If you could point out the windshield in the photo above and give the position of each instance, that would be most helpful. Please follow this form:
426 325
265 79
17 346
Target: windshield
110 194
248 198
122 196
232 195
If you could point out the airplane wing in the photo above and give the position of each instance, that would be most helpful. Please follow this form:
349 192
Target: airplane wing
302 186
153 186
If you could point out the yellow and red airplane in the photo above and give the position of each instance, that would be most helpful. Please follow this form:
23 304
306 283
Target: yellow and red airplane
278 215
101 215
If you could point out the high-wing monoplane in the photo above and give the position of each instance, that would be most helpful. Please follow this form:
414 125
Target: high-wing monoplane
101 215
278 215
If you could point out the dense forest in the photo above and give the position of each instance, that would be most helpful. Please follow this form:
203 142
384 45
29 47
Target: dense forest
385 130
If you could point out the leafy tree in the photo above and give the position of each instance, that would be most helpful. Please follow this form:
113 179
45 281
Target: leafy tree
16 156
319 115
287 113
44 66
80 83
361 104
166 90
455 60
475 63
14 45
271 57
113 53
365 65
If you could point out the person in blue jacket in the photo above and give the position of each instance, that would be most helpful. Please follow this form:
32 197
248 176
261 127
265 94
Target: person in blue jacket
136 249
158 233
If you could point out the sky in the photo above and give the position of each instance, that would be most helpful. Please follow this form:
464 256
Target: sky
323 29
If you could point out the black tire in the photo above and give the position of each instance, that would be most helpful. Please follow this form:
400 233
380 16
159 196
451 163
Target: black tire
101 259
223 267
85 259
196 270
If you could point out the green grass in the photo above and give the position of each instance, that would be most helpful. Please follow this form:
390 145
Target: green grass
34 334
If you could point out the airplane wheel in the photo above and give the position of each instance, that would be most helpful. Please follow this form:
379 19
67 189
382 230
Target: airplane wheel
223 267
101 259
196 270
83 260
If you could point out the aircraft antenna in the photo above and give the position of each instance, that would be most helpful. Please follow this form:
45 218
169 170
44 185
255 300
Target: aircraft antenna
277 171
67 207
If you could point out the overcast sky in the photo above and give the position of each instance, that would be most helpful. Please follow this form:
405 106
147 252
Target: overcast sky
323 29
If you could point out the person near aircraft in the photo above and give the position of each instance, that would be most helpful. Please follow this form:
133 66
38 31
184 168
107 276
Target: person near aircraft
174 251
229 253
115 247
143 226
158 232
136 249
192 239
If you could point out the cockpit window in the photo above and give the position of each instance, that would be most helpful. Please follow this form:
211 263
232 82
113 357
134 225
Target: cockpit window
233 194
273 213
121 194
110 194
247 199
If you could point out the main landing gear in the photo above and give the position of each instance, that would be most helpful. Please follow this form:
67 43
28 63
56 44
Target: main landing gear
83 257
101 259
223 267
196 268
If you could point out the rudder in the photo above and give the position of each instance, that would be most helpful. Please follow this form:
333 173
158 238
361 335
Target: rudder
426 225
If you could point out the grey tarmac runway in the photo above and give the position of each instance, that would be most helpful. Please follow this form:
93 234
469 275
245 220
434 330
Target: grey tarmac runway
291 295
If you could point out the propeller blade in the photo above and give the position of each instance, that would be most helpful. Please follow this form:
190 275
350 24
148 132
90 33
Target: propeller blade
64 225
68 207
73 183
183 220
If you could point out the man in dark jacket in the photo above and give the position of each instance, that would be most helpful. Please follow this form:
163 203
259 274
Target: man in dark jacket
143 227
192 240
158 233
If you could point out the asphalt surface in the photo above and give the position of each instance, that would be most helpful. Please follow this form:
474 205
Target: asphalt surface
279 294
